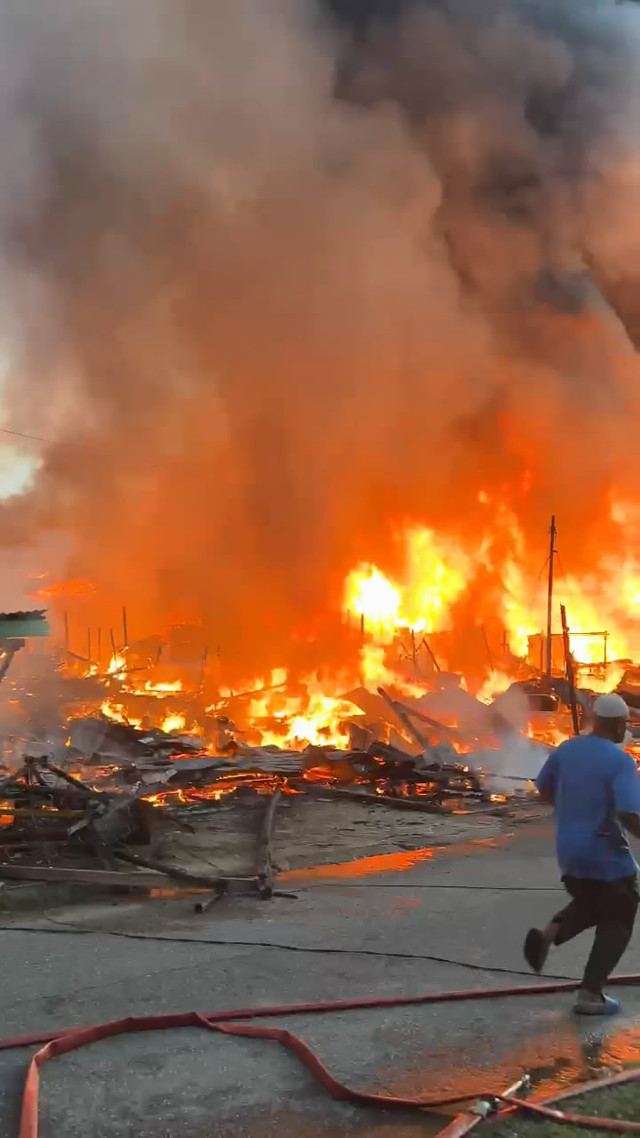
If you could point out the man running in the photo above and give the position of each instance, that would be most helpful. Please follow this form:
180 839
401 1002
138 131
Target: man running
594 787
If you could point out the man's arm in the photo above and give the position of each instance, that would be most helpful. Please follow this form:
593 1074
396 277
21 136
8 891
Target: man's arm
626 795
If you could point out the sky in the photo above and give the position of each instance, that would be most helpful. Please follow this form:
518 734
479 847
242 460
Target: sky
17 469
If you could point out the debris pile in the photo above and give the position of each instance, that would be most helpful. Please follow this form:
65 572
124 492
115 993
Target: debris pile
153 776
115 803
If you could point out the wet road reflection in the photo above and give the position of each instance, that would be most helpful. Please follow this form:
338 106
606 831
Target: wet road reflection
562 1055
395 862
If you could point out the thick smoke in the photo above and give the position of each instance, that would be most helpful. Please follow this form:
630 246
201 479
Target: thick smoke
277 282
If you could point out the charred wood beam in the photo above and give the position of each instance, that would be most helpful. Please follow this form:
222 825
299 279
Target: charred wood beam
75 782
73 876
400 712
177 875
427 806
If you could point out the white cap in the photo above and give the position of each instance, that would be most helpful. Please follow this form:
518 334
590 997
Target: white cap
610 706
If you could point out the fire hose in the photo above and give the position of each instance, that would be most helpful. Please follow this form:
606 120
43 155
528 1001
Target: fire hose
62 1041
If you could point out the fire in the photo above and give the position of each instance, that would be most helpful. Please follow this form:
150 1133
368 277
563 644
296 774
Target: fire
496 683
606 681
373 668
436 571
278 680
410 623
372 596
376 672
603 606
162 689
117 714
315 719
82 587
173 723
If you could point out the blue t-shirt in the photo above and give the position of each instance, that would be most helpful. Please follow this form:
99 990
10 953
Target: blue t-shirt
590 781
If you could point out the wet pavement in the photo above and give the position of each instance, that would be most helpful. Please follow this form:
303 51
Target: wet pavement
401 924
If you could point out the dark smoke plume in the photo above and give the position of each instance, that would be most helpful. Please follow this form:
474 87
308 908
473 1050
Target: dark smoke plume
280 277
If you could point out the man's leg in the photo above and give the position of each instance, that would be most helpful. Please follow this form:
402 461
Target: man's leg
617 905
580 914
577 916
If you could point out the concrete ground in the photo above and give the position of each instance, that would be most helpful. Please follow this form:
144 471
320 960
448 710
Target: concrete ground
446 919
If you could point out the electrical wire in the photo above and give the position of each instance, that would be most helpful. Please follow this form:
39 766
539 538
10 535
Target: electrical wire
78 930
22 435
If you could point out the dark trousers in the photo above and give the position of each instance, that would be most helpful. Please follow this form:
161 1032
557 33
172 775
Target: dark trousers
610 907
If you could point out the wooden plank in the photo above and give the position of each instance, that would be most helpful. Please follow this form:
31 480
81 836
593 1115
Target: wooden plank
73 876
171 872
426 806
410 727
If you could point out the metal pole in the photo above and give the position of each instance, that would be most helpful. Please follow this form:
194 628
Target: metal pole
552 550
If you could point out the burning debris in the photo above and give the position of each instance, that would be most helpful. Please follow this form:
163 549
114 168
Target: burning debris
122 769
166 772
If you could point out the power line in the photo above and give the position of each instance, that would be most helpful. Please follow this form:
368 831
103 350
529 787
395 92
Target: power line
21 435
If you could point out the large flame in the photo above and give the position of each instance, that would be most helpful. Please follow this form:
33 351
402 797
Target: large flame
435 574
393 615
603 606
314 718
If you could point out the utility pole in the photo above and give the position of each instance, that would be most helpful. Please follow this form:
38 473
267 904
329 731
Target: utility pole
552 552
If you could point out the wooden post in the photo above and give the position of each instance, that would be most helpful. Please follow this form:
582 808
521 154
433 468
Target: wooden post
264 871
203 666
430 653
125 630
488 647
89 645
552 551
568 663
99 649
66 631
113 642
605 636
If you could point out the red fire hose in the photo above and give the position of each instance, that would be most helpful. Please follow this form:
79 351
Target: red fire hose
62 1041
